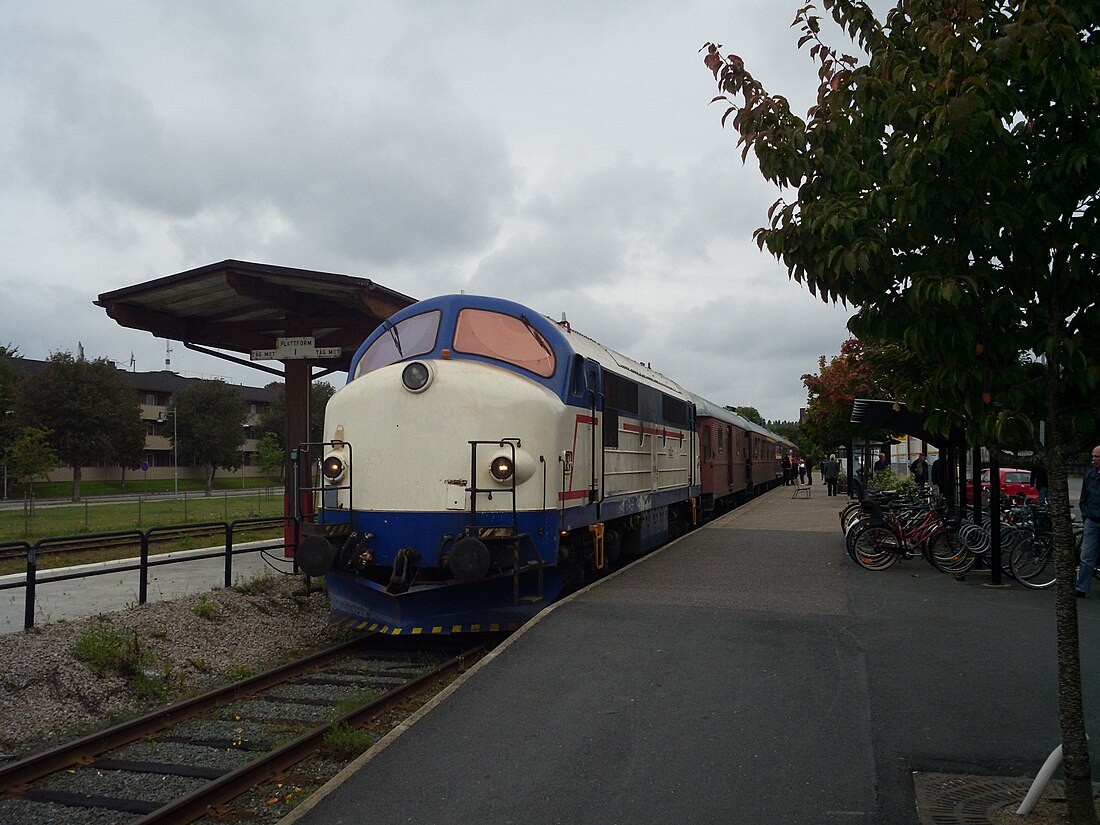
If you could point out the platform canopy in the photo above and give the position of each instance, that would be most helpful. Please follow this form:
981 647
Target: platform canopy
247 307
895 417
242 307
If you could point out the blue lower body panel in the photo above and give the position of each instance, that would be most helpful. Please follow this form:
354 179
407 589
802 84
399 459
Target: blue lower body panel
487 605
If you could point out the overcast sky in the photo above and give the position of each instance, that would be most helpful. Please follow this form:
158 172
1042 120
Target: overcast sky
559 154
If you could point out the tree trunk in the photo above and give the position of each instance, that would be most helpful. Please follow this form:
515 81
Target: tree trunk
76 482
1075 751
210 482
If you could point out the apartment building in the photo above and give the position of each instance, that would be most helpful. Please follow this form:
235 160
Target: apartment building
154 391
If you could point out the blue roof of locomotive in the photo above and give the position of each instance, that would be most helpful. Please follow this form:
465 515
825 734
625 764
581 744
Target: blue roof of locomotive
564 342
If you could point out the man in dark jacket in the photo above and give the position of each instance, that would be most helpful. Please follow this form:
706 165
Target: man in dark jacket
1090 512
831 469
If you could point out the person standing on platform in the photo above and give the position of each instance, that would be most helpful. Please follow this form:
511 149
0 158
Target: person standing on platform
1090 512
919 469
1039 482
801 471
831 469
938 479
883 463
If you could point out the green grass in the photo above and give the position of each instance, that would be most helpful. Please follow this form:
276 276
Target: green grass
107 650
81 519
137 486
347 742
20 525
211 611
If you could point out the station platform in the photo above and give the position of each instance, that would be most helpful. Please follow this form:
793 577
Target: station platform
749 672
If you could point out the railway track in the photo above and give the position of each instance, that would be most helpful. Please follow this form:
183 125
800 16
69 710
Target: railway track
244 753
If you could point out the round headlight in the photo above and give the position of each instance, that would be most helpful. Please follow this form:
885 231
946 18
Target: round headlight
416 376
502 468
333 467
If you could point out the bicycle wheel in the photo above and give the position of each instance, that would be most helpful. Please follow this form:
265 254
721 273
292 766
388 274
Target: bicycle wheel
1032 563
945 551
849 516
875 547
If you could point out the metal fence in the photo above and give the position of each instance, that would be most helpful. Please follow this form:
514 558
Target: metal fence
144 562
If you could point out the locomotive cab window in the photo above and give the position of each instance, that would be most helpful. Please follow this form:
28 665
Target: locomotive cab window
505 338
412 336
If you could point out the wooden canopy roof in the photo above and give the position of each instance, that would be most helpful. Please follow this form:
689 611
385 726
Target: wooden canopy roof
242 306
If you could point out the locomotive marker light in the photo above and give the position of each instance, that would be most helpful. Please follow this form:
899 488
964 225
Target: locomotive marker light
507 462
502 468
333 467
416 376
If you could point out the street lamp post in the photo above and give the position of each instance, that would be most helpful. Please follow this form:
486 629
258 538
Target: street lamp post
245 427
175 451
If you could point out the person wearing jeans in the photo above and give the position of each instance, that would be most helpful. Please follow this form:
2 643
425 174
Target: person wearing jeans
1090 512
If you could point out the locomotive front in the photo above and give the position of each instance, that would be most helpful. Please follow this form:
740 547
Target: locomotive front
436 515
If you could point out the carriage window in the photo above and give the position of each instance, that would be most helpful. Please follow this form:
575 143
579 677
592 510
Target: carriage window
413 336
505 338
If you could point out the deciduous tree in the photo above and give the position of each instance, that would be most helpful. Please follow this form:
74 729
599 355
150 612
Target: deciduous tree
89 409
947 187
29 456
209 426
9 383
274 418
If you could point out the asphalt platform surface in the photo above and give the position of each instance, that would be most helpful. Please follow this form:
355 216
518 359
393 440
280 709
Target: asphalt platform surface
748 673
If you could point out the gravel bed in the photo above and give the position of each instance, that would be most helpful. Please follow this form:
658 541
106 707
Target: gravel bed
181 753
246 733
332 694
250 709
152 787
22 812
269 803
191 644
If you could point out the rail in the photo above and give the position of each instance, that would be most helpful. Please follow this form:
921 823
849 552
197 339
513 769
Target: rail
144 562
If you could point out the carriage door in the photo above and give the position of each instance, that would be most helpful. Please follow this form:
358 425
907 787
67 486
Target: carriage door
585 460
593 376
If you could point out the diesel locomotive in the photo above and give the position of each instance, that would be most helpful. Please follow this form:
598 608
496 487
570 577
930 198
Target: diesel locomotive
482 459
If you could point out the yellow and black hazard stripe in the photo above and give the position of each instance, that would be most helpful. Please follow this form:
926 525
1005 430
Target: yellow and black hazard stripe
436 630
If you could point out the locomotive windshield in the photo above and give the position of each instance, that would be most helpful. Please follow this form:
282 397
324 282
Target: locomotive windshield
505 338
413 336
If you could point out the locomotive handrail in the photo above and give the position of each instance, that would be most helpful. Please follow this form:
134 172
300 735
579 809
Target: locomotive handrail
473 489
305 449
511 443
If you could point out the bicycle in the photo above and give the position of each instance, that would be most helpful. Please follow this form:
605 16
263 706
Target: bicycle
882 538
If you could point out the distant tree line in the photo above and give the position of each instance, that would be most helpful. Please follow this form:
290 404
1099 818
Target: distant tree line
82 413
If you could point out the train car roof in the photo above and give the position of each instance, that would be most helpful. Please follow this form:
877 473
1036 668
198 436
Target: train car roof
709 409
589 348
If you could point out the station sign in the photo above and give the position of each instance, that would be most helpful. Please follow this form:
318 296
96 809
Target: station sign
289 349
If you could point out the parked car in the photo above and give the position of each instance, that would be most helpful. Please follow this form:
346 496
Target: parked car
1013 481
